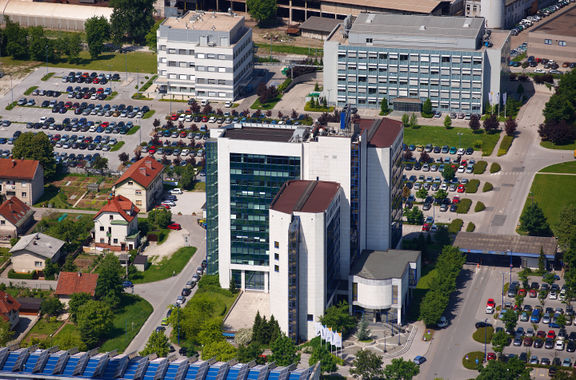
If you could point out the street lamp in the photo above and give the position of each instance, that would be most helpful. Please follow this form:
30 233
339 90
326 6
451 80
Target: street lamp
485 336
459 143
510 254
502 307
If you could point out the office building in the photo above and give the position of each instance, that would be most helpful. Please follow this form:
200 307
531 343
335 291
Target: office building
403 59
205 55
555 38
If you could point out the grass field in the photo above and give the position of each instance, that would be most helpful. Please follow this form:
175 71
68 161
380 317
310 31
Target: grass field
137 62
553 193
166 267
426 134
564 167
551 145
42 330
264 49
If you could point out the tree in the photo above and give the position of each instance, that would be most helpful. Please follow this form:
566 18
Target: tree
6 334
69 265
474 122
449 172
100 163
408 155
405 120
211 331
367 365
160 218
513 369
131 20
284 351
97 33
558 132
491 124
51 306
441 194
32 146
250 352
74 46
414 215
510 126
401 369
510 320
187 178
123 157
447 121
221 350
432 307
363 332
16 40
500 340
38 43
413 121
326 359
50 269
151 39
94 322
76 301
157 344
109 288
384 108
561 320
534 221
338 319
565 230
422 193
263 11
405 192
232 287
541 261
424 157
427 108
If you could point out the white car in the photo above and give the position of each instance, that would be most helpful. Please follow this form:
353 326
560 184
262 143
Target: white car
461 169
182 117
461 151
470 169
559 345
228 104
176 191
169 203
553 295
212 119
184 152
489 310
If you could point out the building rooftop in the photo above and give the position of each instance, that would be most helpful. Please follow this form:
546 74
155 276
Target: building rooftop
15 211
141 259
39 244
215 21
7 304
382 265
18 169
500 244
142 172
16 8
260 134
120 205
564 24
305 196
76 282
320 24
415 6
381 133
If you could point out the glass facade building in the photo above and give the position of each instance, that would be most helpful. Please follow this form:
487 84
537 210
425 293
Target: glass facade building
212 207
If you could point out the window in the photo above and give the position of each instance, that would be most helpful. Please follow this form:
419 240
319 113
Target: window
2 222
276 244
138 192
38 264
115 241
276 268
111 217
101 240
130 183
354 291
394 294
369 40
561 43
138 203
276 256
24 194
548 42
101 228
310 317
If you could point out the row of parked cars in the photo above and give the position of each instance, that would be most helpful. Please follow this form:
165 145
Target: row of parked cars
94 77
104 143
529 21
86 109
429 148
73 160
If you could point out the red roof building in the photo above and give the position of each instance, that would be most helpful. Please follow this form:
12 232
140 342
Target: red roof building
142 183
21 178
76 282
9 309
15 217
143 172
122 206
116 225
18 169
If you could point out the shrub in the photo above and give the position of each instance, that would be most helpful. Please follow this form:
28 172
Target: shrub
483 333
480 167
30 90
455 226
505 145
472 186
463 206
20 276
470 227
479 206
495 167
487 187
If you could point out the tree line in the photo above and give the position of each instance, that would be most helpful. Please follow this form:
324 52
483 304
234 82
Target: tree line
560 112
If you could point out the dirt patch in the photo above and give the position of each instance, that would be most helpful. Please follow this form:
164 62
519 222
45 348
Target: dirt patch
73 187
279 36
85 263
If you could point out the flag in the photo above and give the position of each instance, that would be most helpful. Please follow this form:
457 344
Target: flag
329 335
490 98
504 97
497 98
337 340
317 328
323 332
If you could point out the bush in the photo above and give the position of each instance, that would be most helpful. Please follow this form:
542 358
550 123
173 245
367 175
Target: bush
472 186
495 167
30 90
480 167
463 206
455 226
470 363
479 207
483 332
47 76
487 187
470 227
284 85
505 145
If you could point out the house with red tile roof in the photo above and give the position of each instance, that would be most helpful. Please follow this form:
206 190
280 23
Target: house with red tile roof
142 183
76 282
15 218
9 309
116 225
21 178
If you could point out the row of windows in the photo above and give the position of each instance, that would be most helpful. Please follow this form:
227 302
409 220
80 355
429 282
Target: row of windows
445 105
455 94
412 81
374 69
410 57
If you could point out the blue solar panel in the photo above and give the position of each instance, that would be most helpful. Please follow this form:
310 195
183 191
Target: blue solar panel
212 373
233 373
31 362
91 366
151 371
50 364
192 371
70 366
133 366
173 369
254 373
113 365
11 360
274 376
299 374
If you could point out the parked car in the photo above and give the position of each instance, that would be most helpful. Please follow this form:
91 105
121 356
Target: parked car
174 226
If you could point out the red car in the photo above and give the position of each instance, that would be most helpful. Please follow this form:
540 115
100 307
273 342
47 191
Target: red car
528 341
541 334
551 334
533 293
461 189
491 356
522 292
163 207
426 227
490 303
175 226
174 117
455 200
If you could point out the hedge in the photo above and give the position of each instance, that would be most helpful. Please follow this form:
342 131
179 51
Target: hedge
482 332
470 227
30 90
463 206
472 186
480 167
479 206
505 145
487 187
495 167
20 276
470 363
455 226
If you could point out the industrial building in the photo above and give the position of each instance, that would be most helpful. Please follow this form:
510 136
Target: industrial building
453 61
281 195
555 38
204 55
503 14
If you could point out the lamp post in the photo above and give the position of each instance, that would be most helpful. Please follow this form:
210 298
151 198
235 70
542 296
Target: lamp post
485 337
502 307
459 139
510 255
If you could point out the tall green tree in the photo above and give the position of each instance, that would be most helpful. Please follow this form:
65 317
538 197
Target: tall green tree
250 352
151 39
97 33
211 331
427 108
326 359
565 230
76 301
534 221
363 332
401 369
32 146
109 288
131 20
16 40
500 340
6 333
221 350
447 121
157 344
510 320
51 306
94 322
263 11
367 366
74 46
513 369
405 120
160 218
38 43
284 351
384 108
338 318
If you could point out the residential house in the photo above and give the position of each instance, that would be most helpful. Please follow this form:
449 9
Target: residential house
116 225
15 218
9 309
141 183
76 282
31 252
21 178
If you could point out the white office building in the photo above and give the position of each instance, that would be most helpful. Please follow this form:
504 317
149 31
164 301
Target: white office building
204 55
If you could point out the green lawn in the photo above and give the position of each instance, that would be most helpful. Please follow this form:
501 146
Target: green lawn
117 146
564 167
42 329
553 193
266 106
137 62
166 267
426 134
264 49
551 145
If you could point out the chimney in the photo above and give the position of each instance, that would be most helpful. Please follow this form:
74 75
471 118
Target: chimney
143 170
13 163
148 163
79 274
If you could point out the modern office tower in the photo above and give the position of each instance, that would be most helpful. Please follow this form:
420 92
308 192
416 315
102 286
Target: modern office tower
205 55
